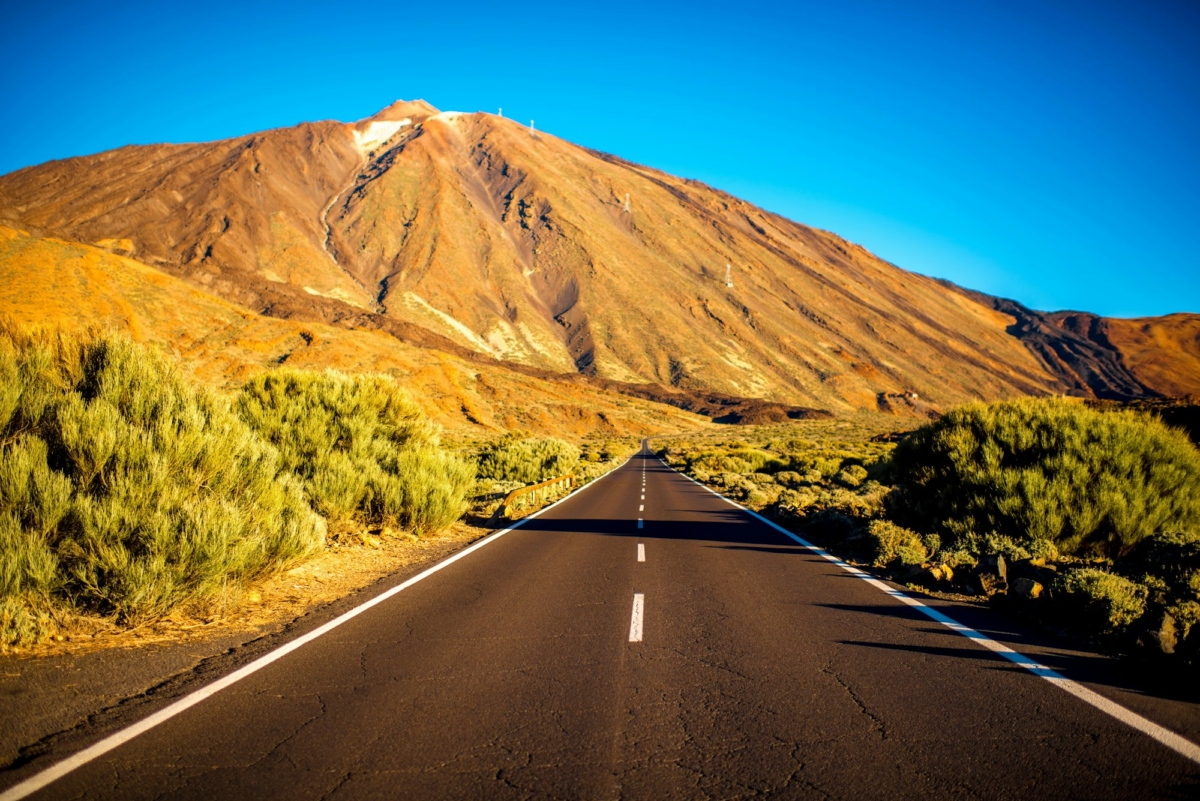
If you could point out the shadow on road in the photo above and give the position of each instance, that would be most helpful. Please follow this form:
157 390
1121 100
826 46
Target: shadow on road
728 528
733 528
1142 676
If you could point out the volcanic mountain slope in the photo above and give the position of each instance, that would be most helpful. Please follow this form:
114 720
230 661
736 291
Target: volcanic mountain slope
1108 358
472 229
48 282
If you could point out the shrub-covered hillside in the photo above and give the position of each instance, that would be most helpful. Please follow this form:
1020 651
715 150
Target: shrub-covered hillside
125 490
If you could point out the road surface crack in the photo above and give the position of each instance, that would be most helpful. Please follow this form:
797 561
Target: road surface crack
879 726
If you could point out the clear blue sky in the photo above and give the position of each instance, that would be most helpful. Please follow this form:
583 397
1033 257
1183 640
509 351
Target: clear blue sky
1044 151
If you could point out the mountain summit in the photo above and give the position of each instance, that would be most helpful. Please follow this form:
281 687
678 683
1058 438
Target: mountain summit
476 233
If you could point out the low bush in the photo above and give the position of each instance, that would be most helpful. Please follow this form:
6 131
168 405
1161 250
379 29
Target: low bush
795 501
739 461
893 543
364 452
1048 470
825 466
124 490
1171 557
852 476
1103 602
514 458
790 478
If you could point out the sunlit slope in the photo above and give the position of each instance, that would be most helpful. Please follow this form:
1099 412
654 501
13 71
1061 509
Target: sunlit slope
57 283
1163 352
530 249
232 216
520 245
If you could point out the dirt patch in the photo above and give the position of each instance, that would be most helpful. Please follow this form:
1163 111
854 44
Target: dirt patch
339 571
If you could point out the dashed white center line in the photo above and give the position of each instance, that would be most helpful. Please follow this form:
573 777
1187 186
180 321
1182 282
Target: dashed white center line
641 552
643 497
642 507
635 624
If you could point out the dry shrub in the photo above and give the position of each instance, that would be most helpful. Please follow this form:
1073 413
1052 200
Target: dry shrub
893 543
364 452
528 460
852 476
124 490
1102 602
1049 470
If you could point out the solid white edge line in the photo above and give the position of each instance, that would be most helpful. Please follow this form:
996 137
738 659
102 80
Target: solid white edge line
1177 743
77 760
641 552
635 621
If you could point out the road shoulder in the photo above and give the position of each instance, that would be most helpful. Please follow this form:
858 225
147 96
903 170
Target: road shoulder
65 691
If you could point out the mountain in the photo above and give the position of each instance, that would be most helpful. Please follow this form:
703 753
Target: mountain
476 235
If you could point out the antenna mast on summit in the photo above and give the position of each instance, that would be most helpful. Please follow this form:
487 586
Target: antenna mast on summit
728 276
532 130
500 113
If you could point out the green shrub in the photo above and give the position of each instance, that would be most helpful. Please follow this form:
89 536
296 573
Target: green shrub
996 544
795 501
773 465
1051 470
1105 602
790 478
364 452
1187 615
893 543
125 490
426 489
828 467
852 476
1171 556
739 460
735 485
513 458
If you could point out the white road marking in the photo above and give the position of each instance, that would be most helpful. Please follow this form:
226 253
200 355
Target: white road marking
641 552
635 623
642 508
643 497
1170 739
60 769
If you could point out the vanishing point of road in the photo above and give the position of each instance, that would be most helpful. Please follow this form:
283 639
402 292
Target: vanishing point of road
646 639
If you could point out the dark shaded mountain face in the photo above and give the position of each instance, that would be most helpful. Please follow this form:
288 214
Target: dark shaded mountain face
472 234
1104 357
1072 346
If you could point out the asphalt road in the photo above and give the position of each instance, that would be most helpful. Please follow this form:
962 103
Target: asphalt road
762 670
